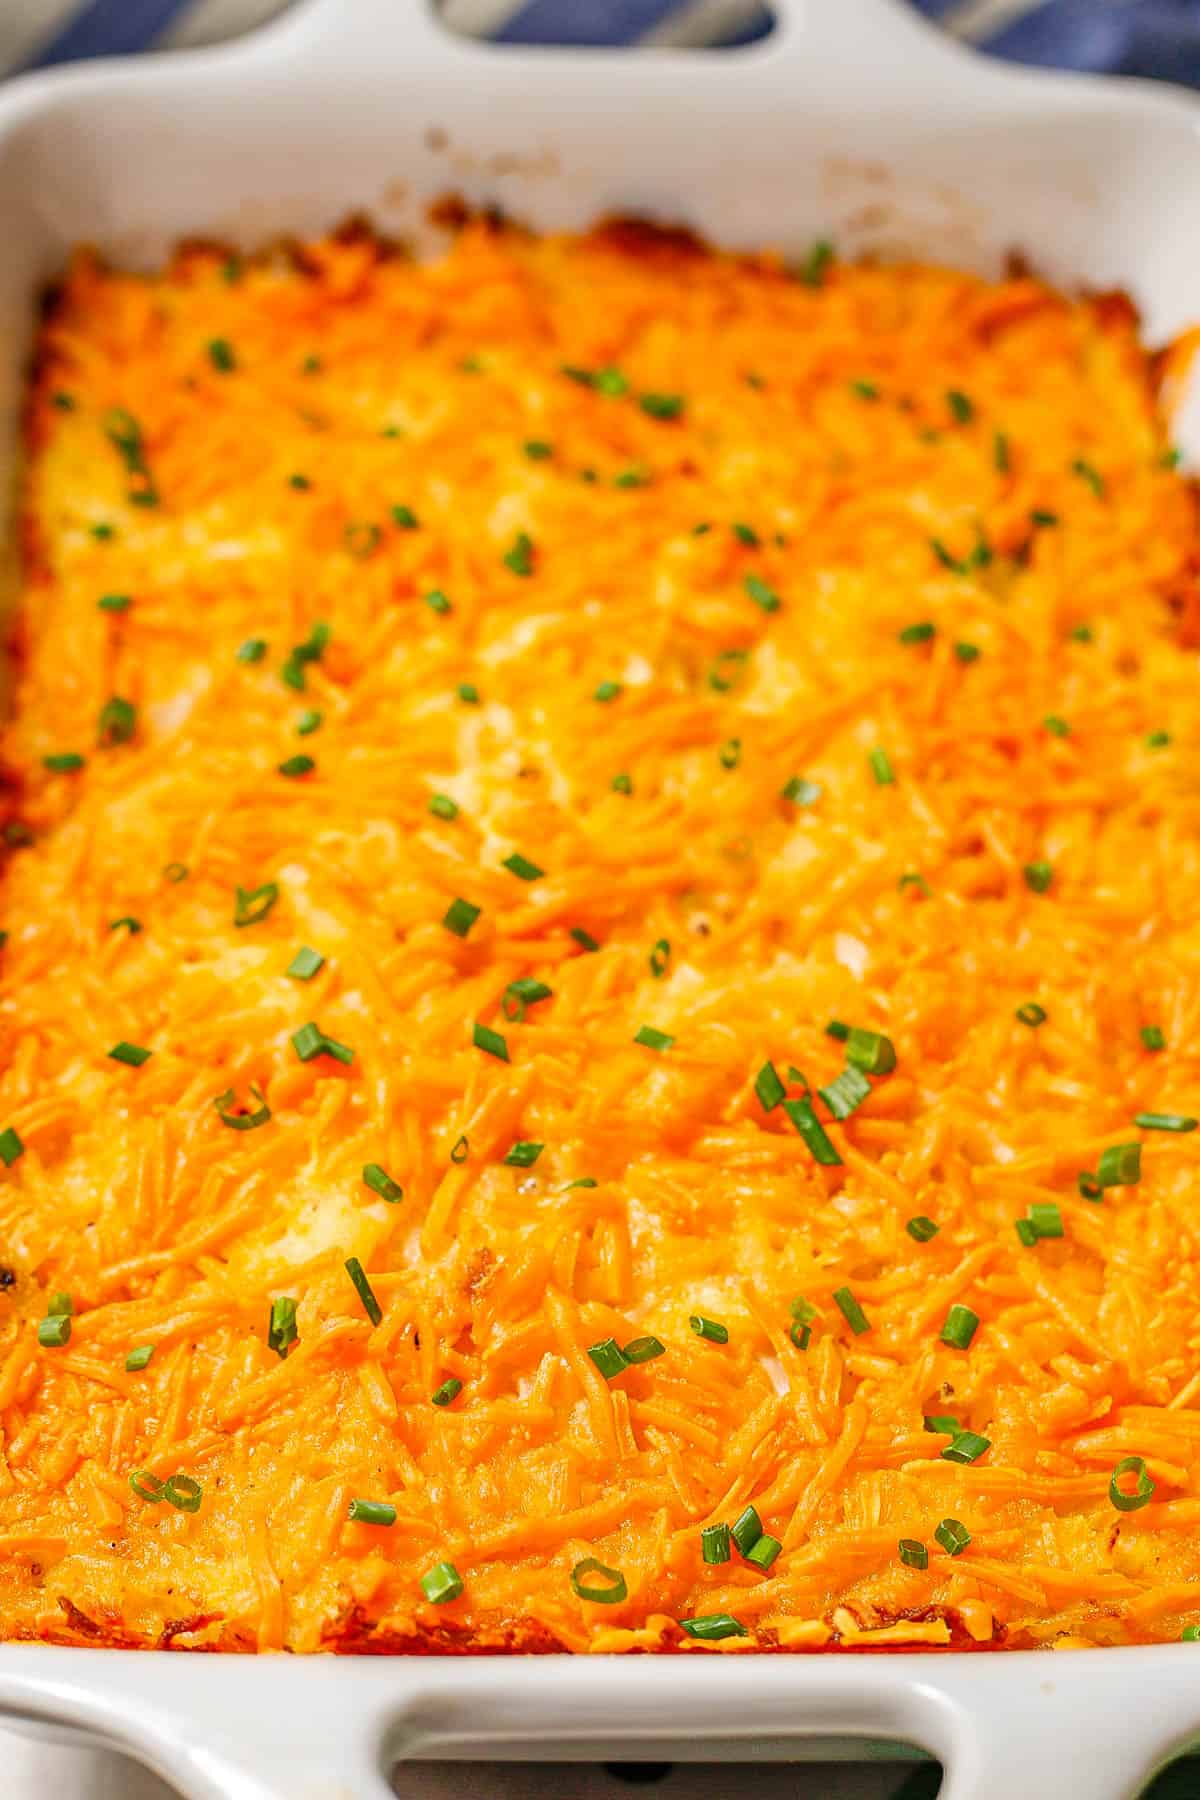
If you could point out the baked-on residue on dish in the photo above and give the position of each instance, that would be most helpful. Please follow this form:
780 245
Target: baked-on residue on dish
507 754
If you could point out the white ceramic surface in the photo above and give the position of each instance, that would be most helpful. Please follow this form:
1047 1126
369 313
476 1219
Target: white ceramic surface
854 120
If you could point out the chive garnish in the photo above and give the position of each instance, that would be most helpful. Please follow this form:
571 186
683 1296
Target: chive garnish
639 1349
484 1038
846 1093
1089 1187
761 594
608 1358
523 993
252 651
294 766
952 1536
117 722
520 558
660 958
913 1553
763 1553
240 1120
622 784
175 872
538 450
592 1580
449 1391
712 1627
960 1327
132 1054
1024 1229
1089 473
281 1326
813 269
881 767
309 721
1030 1013
800 791
459 917
117 603
139 1358
1000 460
405 518
63 762
1045 1216
55 1331
374 1512
710 1329
361 539
310 1041
920 633
714 1544
1038 876
380 1182
730 753
442 1583
522 868
801 1113
769 1088
870 1051
300 483
836 1029
851 1311
11 1146
746 534
221 355
442 807
942 1422
1153 1037
251 905
437 602
961 406
967 1447
1120 1166
652 1038
967 653
1143 1491
461 1151
305 964
364 1290
607 690
523 1156
1157 1121
583 938
921 1229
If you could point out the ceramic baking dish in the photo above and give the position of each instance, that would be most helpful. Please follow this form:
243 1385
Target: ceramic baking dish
853 121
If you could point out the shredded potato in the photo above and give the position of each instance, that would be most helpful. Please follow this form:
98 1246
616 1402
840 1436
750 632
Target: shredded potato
612 663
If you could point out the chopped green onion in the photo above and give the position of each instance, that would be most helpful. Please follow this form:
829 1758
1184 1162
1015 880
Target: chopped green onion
621 784
912 878
132 1054
960 406
461 1151
63 401
851 1311
1156 1121
442 1583
448 1392
769 1088
1190 1634
484 1038
308 722
801 1113
251 905
375 1512
117 722
252 651
405 518
119 603
865 390
846 1093
639 1349
836 1029
310 1041
813 269
607 690
442 807
1153 1038
952 1536
1120 1166
632 478
522 993
960 1327
221 355
730 753
917 634
459 917
1122 1499
520 558
764 1551
1039 516
305 964
176 872
437 602
102 532
376 1177
1046 1218
59 1305
660 957
1038 876
714 1543
55 1331
11 1146
661 406
522 868
967 1447
300 483
712 1627
523 1156
800 1334
63 762
1090 474
297 765
364 1290
1089 1187
746 1530
612 1589
746 534
1082 634
468 693
1030 1013
652 1038
583 938
1158 740
608 1358
800 791
139 1358
881 768
761 594
728 669
870 1051
921 1229
966 653
1055 726
538 450
913 1553
242 1121
1024 1229
584 1181
146 1486
710 1329
281 1328
1000 453
945 1423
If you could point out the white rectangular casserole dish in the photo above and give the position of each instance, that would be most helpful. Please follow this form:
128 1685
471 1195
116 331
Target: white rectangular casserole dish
852 121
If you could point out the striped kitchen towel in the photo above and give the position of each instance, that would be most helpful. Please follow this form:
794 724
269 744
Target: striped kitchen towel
1134 37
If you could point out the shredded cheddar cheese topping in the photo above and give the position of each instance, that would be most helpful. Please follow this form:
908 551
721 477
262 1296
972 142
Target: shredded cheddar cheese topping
601 908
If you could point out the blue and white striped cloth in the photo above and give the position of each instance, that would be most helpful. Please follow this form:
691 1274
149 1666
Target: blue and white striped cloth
1134 37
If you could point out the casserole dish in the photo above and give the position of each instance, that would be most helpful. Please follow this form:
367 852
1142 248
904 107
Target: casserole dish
560 169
